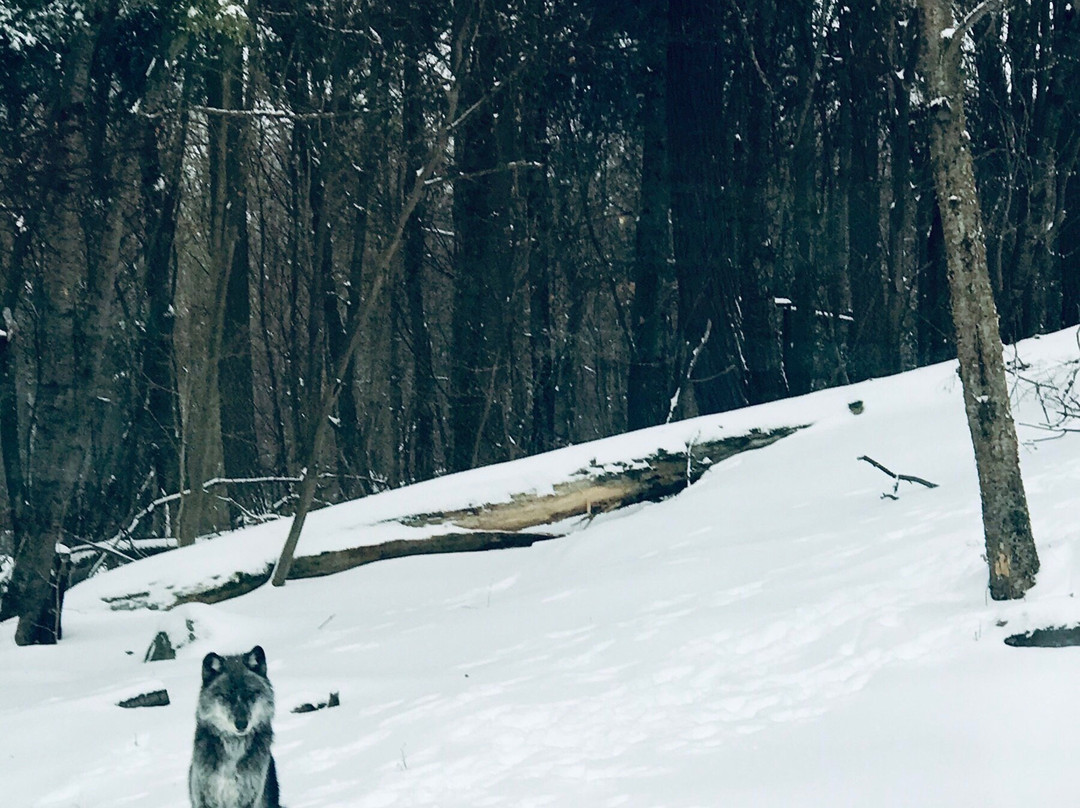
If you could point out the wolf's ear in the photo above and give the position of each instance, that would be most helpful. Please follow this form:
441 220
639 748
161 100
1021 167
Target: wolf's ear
255 660
212 665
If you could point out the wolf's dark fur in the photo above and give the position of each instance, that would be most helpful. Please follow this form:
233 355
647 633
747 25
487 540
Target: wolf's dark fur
231 766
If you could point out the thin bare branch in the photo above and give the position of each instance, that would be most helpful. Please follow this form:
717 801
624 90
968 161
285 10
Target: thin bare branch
970 20
279 114
898 477
689 371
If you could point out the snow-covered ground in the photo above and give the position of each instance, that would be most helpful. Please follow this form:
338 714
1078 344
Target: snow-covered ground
776 635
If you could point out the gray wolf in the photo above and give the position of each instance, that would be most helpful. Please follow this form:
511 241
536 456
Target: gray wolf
231 765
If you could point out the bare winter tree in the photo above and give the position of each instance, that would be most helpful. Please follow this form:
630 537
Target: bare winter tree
1010 547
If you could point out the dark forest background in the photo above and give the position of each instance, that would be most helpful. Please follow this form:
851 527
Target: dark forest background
463 232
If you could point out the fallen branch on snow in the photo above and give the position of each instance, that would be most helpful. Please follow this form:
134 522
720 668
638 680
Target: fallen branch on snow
907 478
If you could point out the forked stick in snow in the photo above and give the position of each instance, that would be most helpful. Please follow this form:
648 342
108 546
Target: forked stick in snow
898 477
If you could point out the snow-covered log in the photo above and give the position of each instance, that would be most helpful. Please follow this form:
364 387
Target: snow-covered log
540 510
331 561
598 490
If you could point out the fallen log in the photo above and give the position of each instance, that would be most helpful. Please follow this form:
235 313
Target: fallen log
214 589
597 490
1052 637
590 491
331 561
515 522
219 588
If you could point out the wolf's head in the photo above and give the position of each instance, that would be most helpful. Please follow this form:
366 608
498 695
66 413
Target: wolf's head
236 697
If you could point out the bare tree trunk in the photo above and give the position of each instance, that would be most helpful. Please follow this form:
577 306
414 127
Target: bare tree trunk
758 337
903 203
423 409
483 265
161 164
240 454
351 438
65 320
12 278
201 405
540 271
648 387
871 349
704 212
1010 547
1070 287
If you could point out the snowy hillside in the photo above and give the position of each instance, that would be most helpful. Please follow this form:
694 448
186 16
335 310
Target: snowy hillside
776 635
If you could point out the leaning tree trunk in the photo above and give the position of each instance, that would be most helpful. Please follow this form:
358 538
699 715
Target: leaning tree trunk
360 320
1010 547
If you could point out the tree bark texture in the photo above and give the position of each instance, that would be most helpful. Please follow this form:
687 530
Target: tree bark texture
72 317
424 414
203 406
239 443
240 454
542 323
757 318
1010 547
158 422
705 207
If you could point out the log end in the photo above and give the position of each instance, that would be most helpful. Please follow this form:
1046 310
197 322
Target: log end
153 698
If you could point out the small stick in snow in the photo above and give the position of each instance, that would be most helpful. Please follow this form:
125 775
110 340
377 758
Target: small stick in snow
898 477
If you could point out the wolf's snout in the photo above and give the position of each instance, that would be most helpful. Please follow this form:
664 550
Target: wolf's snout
241 724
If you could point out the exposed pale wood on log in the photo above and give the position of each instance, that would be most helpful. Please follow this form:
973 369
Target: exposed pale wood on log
598 490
